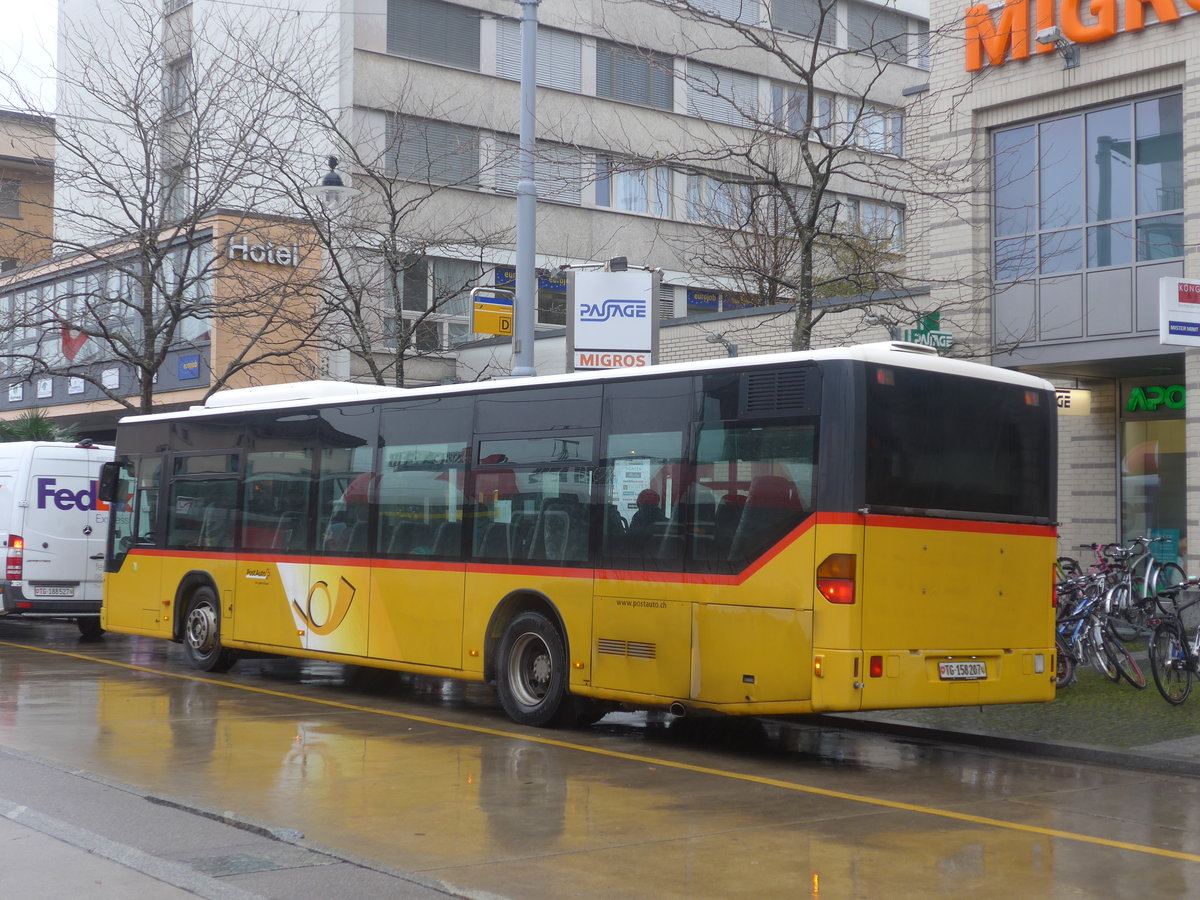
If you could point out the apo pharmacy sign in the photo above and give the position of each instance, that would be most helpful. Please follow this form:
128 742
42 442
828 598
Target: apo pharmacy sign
613 321
1000 32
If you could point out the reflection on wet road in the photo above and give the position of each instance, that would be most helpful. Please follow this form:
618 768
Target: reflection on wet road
428 776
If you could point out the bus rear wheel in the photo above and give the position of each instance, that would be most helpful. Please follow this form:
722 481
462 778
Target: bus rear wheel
532 675
202 633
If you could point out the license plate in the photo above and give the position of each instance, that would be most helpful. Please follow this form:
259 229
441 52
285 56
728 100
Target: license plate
52 591
962 671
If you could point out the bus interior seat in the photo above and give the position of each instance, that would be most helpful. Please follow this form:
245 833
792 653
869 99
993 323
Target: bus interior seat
289 532
447 540
493 543
729 513
772 504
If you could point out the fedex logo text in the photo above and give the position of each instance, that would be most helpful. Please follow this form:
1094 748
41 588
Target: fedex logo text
66 499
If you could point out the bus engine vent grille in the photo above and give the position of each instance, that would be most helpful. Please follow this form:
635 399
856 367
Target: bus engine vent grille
776 392
637 649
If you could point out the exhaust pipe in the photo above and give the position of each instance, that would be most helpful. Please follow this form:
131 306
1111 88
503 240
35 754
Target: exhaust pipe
677 709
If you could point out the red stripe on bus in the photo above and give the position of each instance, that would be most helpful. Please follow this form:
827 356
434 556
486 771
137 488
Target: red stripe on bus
700 578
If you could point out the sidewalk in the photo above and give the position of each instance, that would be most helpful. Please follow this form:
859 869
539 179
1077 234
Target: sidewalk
1093 720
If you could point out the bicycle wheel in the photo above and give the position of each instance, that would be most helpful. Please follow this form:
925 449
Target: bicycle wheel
1169 662
1123 616
1064 666
1123 660
1096 654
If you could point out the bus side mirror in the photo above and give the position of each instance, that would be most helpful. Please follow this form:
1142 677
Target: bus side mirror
110 477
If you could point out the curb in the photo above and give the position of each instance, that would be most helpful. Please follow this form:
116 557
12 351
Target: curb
1072 752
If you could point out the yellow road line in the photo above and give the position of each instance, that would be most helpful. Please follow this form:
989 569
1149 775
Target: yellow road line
638 758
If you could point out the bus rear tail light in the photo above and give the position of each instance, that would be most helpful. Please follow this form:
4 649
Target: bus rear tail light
16 556
875 667
835 577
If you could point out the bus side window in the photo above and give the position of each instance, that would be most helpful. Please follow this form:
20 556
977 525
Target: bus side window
421 501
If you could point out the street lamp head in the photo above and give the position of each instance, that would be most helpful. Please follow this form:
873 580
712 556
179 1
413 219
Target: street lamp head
332 192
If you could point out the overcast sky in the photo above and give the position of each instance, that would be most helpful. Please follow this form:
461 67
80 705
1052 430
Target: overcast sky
27 49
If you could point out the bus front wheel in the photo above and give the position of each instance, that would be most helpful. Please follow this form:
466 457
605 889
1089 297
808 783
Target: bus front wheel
532 675
202 633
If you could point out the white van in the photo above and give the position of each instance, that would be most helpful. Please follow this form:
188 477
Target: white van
52 531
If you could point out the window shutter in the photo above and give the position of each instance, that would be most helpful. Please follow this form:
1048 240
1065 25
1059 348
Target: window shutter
722 95
424 150
746 12
558 170
624 73
880 32
434 31
559 56
802 17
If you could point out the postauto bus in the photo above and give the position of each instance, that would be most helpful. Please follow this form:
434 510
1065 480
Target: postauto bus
849 529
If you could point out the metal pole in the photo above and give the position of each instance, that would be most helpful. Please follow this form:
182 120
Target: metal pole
525 311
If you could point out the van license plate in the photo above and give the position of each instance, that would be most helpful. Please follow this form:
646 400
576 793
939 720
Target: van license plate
52 591
962 671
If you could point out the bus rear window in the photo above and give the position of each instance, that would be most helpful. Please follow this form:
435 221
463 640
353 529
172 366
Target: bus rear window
935 443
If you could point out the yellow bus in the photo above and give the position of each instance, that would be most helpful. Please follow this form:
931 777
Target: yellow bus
850 529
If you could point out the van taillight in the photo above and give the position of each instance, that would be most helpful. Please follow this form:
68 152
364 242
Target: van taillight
16 553
835 577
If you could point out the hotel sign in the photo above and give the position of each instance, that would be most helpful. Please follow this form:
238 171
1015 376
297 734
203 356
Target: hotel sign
239 247
1009 31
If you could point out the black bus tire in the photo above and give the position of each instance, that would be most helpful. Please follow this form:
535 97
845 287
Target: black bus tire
202 633
531 677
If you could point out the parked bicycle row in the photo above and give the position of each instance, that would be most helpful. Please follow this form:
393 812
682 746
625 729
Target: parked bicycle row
1126 597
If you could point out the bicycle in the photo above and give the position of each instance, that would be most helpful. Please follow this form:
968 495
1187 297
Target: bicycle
1174 658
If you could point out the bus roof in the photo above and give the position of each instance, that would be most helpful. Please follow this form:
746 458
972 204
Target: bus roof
326 393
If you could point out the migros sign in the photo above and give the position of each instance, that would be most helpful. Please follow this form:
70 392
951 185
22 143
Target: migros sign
1010 35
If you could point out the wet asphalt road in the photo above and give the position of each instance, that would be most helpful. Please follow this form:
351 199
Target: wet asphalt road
296 779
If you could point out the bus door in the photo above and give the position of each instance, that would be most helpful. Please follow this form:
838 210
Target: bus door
276 603
140 604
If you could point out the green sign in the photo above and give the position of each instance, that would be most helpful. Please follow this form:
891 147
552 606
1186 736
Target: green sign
1149 397
928 333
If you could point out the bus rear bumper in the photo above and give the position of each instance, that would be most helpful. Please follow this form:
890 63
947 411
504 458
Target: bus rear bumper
898 679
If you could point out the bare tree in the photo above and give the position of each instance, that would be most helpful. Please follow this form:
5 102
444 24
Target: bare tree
160 131
805 194
401 257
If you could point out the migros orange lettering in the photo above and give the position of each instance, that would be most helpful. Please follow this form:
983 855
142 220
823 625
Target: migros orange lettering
1010 35
1012 31
1135 12
1075 29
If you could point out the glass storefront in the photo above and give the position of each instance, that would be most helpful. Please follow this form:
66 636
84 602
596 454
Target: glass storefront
1153 466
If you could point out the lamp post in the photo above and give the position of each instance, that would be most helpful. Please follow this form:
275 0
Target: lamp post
332 192
525 310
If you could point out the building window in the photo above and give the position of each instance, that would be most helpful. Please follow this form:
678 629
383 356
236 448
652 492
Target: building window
435 299
551 294
559 56
434 31
170 6
747 12
177 196
878 32
878 129
558 170
632 187
634 76
722 95
1088 206
178 86
7 263
880 223
714 201
10 198
809 18
428 151
789 110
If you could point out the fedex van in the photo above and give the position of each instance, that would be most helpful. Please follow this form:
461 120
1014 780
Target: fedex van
52 531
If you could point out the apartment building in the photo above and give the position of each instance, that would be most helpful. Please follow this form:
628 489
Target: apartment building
652 131
1083 134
